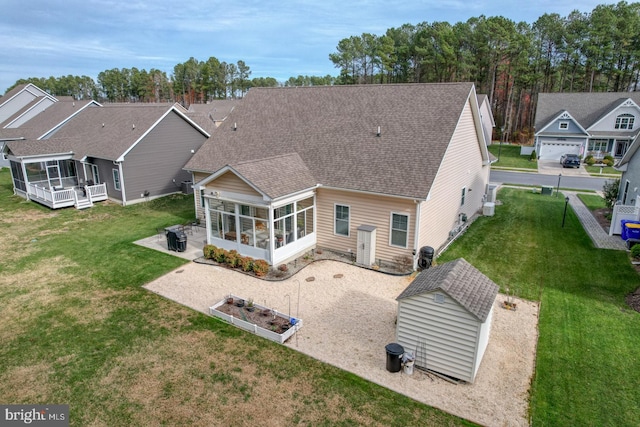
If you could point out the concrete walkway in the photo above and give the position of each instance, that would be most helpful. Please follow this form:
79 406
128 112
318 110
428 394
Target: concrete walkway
600 238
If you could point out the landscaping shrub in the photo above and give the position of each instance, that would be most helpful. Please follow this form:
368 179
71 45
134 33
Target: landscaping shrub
260 267
232 258
283 267
219 255
610 191
246 263
608 157
533 156
208 251
635 251
608 162
590 160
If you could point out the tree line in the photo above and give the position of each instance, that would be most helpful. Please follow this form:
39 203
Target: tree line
510 62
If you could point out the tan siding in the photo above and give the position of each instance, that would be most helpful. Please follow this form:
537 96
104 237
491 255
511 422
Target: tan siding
232 183
461 166
364 209
197 177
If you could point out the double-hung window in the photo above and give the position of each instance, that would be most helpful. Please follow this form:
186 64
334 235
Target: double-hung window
399 230
624 121
342 220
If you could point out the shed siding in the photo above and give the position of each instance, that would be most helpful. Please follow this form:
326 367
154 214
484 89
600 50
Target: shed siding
156 161
447 332
461 167
365 209
485 333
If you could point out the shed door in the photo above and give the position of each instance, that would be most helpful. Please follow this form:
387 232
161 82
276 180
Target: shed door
366 253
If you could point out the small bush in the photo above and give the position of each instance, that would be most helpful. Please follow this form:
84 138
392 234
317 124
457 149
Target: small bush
246 263
219 255
208 251
608 157
608 162
260 267
283 267
635 251
232 258
590 160
533 157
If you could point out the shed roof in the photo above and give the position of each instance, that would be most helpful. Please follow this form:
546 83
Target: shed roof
462 282
333 131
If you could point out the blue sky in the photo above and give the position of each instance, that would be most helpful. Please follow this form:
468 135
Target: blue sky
42 38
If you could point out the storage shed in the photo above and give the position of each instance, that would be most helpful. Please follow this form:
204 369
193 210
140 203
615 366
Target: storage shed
444 318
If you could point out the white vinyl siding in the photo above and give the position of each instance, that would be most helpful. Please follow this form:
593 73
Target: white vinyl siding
399 230
341 223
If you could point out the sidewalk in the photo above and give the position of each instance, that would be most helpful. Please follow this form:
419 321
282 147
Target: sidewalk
600 238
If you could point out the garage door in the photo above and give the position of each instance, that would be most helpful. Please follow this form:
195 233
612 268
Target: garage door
554 150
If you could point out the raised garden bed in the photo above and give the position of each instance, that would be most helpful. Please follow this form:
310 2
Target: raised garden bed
261 320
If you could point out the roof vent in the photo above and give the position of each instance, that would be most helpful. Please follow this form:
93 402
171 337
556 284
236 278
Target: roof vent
133 126
103 125
378 133
235 126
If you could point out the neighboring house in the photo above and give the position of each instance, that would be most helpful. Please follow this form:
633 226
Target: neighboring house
487 118
19 105
628 205
377 171
127 153
597 123
444 318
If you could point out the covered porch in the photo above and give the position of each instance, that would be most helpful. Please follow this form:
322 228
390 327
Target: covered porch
54 183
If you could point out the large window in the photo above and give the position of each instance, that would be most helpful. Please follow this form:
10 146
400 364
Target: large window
624 121
598 145
18 176
342 220
399 230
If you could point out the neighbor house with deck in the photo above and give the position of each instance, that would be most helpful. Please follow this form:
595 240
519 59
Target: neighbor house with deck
596 123
374 171
126 153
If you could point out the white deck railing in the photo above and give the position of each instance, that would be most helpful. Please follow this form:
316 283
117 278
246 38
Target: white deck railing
65 197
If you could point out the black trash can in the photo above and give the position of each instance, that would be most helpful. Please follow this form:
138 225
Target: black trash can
394 357
426 257
181 241
172 241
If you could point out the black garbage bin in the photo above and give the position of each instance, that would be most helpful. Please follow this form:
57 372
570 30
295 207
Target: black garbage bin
426 257
181 241
172 241
394 356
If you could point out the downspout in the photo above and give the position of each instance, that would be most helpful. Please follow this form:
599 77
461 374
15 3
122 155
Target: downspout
26 179
272 235
122 187
416 235
207 218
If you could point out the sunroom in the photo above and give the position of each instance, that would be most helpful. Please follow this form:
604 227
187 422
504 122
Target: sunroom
254 209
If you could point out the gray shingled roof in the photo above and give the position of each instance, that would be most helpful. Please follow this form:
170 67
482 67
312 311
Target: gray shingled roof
216 110
586 108
277 176
462 282
333 130
45 121
101 132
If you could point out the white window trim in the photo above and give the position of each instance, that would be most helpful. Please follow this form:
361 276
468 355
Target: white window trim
406 243
116 183
335 232
563 125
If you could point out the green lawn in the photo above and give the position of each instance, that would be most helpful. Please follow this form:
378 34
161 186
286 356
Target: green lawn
593 201
596 170
509 157
77 328
588 350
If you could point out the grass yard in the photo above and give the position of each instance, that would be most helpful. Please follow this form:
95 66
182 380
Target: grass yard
588 351
593 201
78 328
510 157
597 170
